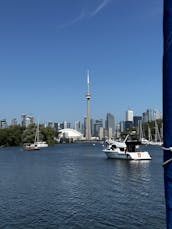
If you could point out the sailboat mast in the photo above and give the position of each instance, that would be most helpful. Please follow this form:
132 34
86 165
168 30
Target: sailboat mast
37 133
167 107
156 132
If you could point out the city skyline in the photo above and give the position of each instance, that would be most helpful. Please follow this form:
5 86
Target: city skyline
147 116
99 128
47 47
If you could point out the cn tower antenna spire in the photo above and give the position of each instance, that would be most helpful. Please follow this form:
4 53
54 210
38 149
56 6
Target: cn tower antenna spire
88 76
88 82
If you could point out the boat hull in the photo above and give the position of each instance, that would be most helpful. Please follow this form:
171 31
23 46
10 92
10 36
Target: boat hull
31 147
41 144
128 155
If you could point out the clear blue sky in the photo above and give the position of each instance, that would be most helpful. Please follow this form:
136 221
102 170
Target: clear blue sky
46 47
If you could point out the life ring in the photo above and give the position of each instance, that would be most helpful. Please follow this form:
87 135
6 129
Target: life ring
139 154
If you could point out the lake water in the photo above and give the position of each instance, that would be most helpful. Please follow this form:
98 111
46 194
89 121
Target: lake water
76 186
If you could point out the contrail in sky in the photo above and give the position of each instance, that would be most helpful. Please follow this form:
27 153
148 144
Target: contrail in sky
72 22
100 7
83 15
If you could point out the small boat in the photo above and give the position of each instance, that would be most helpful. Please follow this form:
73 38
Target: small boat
31 146
144 141
128 150
157 137
40 144
37 143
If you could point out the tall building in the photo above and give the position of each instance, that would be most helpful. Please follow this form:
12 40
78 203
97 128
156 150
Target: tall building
50 124
77 126
92 122
101 133
3 123
97 125
56 126
136 120
129 116
122 126
157 114
110 125
128 125
151 115
27 120
88 118
65 125
148 115
145 117
14 122
117 130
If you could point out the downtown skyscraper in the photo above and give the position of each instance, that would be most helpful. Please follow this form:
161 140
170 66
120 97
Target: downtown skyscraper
110 125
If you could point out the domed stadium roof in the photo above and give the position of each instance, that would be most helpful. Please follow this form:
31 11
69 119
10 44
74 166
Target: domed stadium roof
70 133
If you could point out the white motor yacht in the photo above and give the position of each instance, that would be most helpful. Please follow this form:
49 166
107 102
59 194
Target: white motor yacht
128 150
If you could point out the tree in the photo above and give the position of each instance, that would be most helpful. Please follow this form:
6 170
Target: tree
48 135
11 136
17 135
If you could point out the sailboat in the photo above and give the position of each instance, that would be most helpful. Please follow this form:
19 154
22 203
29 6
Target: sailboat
40 144
149 134
31 146
157 139
143 140
37 143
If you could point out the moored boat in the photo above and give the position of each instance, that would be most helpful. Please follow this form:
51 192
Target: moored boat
38 142
31 146
128 150
41 144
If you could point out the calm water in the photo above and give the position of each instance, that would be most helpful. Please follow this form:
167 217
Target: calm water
75 186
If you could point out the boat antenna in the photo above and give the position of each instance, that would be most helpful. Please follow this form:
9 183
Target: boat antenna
126 138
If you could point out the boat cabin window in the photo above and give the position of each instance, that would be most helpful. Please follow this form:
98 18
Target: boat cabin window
122 149
131 148
113 147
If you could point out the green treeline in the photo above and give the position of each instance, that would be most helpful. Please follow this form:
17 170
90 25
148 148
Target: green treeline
17 135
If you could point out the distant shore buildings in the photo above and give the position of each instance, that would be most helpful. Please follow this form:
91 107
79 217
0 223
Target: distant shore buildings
89 128
100 129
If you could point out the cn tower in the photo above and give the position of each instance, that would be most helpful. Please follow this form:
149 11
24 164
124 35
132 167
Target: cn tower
88 119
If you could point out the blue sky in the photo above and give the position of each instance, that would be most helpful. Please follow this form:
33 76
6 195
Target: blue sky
46 47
